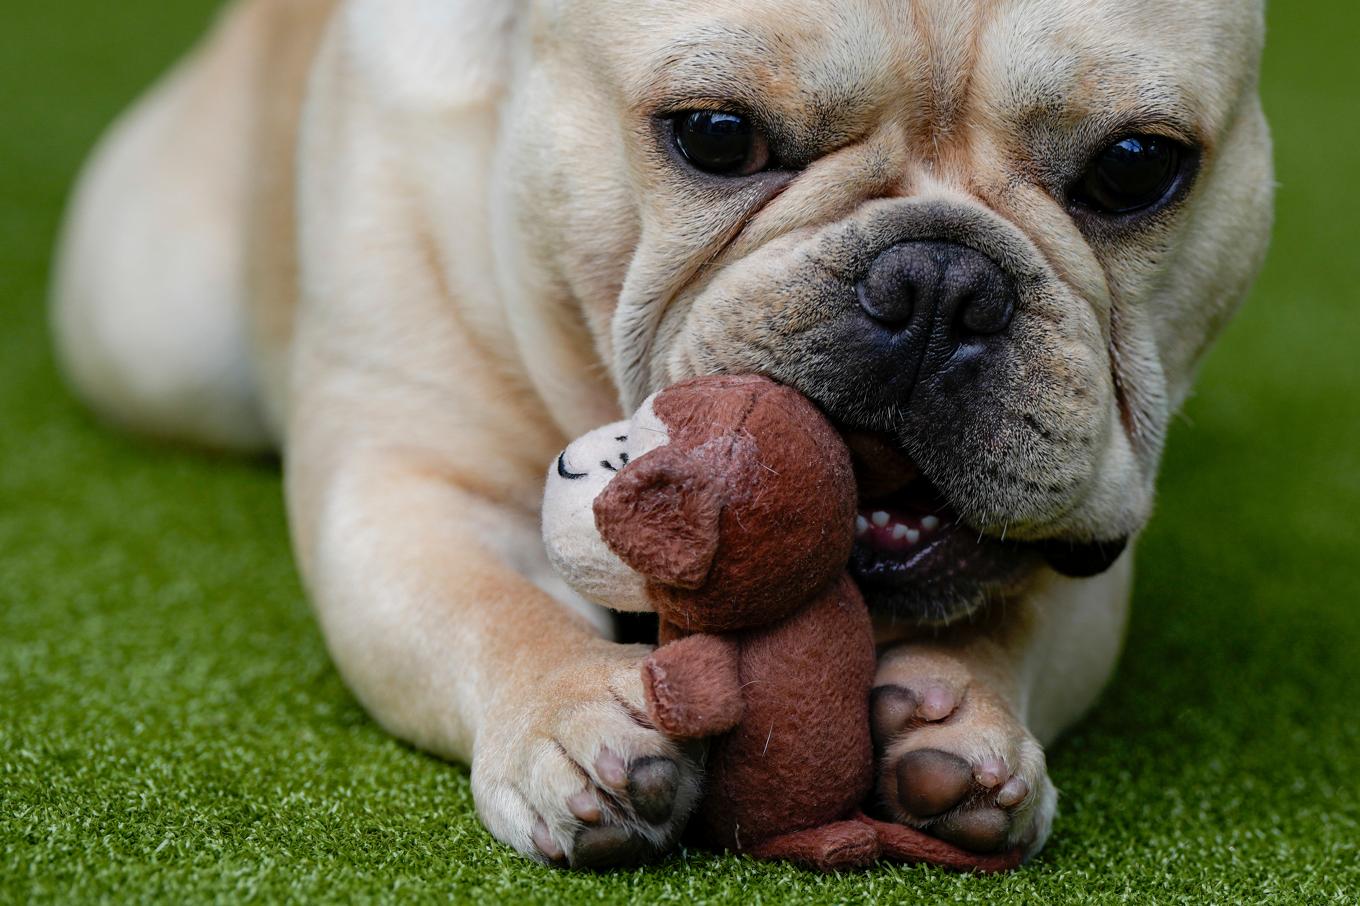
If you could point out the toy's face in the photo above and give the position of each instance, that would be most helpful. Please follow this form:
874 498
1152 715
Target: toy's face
575 479
723 504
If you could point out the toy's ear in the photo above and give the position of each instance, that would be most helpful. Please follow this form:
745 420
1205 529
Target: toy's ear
660 516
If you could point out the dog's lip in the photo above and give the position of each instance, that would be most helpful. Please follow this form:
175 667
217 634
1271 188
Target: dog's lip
908 535
954 565
912 541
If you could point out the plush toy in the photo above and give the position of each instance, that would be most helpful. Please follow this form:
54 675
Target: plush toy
727 506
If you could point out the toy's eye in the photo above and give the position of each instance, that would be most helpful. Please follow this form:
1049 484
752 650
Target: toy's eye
721 143
563 471
1134 174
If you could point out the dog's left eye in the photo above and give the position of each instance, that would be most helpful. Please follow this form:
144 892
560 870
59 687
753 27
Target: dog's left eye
720 143
1131 175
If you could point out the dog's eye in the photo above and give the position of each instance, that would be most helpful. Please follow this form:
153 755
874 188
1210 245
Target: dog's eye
1131 175
721 143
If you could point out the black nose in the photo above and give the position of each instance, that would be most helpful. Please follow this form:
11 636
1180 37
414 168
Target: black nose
930 298
955 288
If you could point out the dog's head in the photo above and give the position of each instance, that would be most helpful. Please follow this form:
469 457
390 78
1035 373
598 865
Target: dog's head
990 238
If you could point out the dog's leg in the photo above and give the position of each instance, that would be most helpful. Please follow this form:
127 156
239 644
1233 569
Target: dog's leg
149 296
419 587
960 718
415 458
165 244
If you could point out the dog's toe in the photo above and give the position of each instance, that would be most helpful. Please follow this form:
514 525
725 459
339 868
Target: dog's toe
608 847
931 782
972 804
981 829
652 785
895 709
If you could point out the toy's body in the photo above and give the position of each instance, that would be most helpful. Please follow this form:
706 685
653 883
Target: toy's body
729 510
798 762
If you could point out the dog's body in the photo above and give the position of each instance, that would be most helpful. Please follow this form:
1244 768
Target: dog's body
419 245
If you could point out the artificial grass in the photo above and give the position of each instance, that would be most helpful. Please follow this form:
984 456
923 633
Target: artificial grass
171 728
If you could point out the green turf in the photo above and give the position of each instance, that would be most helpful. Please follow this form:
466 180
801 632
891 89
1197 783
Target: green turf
171 729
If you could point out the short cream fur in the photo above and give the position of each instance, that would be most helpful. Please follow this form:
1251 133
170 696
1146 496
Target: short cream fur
418 246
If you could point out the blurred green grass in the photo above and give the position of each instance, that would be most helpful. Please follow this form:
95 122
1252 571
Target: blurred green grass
171 729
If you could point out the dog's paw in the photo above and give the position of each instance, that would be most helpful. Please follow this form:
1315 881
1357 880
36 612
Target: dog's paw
572 773
954 761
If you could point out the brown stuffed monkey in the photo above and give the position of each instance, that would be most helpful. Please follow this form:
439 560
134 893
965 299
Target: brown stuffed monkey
727 506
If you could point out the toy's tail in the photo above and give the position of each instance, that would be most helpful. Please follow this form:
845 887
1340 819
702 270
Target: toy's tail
862 841
830 847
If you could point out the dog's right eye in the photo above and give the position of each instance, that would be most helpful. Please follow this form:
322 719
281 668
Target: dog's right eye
1132 175
720 143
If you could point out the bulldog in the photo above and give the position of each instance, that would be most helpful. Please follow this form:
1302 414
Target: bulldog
417 246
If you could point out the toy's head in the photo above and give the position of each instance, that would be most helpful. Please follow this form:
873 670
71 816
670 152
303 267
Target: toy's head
726 502
575 479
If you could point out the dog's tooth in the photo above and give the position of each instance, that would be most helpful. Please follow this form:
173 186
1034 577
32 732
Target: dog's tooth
913 536
899 531
930 523
879 518
861 525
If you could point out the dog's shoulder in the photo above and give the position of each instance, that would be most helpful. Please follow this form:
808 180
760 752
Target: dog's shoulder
429 55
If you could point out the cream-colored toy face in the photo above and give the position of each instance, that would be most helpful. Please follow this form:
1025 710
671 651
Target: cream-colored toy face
575 479
1001 232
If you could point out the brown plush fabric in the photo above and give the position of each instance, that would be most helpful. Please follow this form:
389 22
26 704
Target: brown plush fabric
788 492
906 844
660 516
693 686
801 755
838 846
742 525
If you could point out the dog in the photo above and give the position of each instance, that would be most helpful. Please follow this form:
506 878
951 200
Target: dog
417 246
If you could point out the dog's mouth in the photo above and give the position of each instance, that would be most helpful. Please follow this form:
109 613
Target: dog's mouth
917 559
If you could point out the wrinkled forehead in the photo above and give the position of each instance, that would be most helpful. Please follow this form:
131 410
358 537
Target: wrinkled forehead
855 61
1184 62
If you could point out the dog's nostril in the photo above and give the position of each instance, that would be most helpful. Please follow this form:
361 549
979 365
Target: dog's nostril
886 299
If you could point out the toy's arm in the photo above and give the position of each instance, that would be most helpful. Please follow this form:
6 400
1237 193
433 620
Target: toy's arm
692 686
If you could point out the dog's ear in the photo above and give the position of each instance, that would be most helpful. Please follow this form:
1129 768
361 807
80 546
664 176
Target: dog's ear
660 516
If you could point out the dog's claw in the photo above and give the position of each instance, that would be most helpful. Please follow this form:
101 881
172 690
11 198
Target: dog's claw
611 770
584 806
546 844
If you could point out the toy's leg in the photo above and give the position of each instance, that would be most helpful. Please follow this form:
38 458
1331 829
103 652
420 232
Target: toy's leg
900 843
829 847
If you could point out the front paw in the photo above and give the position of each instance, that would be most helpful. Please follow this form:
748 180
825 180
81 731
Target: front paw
571 771
953 759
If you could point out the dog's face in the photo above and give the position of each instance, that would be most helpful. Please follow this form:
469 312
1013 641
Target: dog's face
991 238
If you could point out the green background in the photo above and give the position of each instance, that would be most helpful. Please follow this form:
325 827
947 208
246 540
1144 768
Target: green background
170 727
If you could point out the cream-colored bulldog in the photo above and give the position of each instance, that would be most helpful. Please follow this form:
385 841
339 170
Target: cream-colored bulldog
420 244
